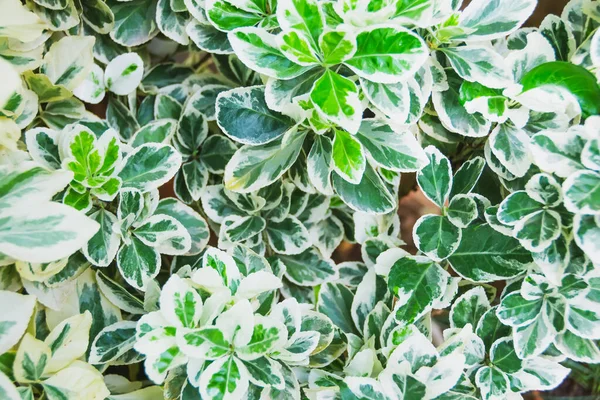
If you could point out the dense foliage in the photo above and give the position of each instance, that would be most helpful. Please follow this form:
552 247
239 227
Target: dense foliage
284 128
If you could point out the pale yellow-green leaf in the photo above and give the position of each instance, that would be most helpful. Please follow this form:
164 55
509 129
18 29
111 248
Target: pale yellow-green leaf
17 22
68 341
79 381
31 358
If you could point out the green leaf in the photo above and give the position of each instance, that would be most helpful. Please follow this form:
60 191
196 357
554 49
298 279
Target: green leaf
121 119
308 268
134 22
348 158
244 228
268 335
485 255
370 195
485 20
454 116
560 35
387 54
467 176
208 38
436 236
112 342
462 210
435 179
101 249
537 231
337 99
205 343
118 295
259 51
254 167
469 308
391 150
586 229
515 310
149 166
511 146
215 152
288 236
138 263
164 233
517 206
303 15
225 378
492 383
418 283
172 24
31 359
558 152
335 301
575 79
124 73
533 339
337 46
227 17
244 116
98 16
296 47
394 99
479 64
582 192
69 61
319 164
158 131
180 303
265 372
47 232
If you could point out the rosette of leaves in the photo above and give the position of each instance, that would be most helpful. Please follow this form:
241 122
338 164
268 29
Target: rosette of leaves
451 236
281 221
330 161
209 322
496 367
544 315
412 367
213 19
142 229
50 365
314 46
572 156
93 158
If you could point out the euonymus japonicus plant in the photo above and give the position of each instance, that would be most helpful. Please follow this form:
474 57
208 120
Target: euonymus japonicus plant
181 180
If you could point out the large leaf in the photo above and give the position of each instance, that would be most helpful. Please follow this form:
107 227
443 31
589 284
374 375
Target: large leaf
149 166
387 54
44 233
485 255
487 20
134 22
436 236
308 268
417 282
244 116
370 195
258 50
396 151
435 179
254 167
336 97
348 159
577 80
